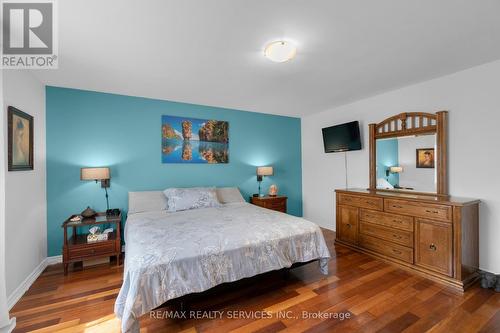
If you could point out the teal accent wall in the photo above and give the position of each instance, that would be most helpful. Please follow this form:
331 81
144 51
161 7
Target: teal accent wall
86 128
387 156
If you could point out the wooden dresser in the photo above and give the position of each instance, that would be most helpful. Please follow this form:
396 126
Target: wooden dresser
277 203
435 236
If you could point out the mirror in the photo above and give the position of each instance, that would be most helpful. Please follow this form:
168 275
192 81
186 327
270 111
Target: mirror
407 163
408 152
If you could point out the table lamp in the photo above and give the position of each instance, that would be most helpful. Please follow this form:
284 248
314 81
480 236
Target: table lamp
393 169
97 174
261 172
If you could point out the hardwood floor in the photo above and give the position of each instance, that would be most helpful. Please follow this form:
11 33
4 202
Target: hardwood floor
377 297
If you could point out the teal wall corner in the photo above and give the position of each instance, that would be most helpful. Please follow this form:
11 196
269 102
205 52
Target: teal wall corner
387 156
86 128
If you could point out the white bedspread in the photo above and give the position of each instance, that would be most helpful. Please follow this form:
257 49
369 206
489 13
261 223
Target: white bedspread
169 255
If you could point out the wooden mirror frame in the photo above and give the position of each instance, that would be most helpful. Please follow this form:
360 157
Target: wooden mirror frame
406 124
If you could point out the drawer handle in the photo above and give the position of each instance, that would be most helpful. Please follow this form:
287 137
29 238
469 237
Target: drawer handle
397 221
396 236
348 225
397 206
369 202
431 211
396 251
347 199
432 247
370 216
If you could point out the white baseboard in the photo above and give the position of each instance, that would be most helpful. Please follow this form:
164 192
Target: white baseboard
26 284
9 326
54 260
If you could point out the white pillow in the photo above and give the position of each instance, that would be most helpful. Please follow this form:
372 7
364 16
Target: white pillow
146 201
229 195
190 198
384 184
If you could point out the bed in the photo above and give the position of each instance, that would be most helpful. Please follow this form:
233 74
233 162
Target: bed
169 255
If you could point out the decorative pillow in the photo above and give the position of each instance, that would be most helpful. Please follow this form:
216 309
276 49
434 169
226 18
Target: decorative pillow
190 198
146 201
229 195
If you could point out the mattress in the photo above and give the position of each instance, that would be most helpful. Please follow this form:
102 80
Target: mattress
169 255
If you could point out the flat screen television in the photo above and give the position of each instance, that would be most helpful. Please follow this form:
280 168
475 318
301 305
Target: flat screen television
343 137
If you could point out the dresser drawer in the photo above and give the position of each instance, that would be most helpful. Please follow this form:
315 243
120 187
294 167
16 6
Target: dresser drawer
433 246
347 224
397 236
389 249
278 208
361 201
274 203
389 220
91 250
431 211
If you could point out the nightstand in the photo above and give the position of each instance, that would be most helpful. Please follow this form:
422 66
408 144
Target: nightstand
277 203
76 248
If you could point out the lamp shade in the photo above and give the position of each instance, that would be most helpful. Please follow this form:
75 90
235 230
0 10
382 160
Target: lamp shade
396 169
265 171
94 173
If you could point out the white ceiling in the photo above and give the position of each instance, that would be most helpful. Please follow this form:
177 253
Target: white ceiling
211 52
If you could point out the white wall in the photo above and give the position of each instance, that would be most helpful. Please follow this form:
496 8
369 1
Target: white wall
26 208
6 324
473 100
420 179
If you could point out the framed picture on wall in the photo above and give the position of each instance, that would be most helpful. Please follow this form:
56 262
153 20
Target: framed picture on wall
192 140
20 140
425 158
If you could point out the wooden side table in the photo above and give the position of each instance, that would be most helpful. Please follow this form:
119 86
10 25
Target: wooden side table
277 203
76 248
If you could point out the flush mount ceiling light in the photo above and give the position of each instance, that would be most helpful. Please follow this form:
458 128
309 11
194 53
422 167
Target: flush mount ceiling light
280 51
